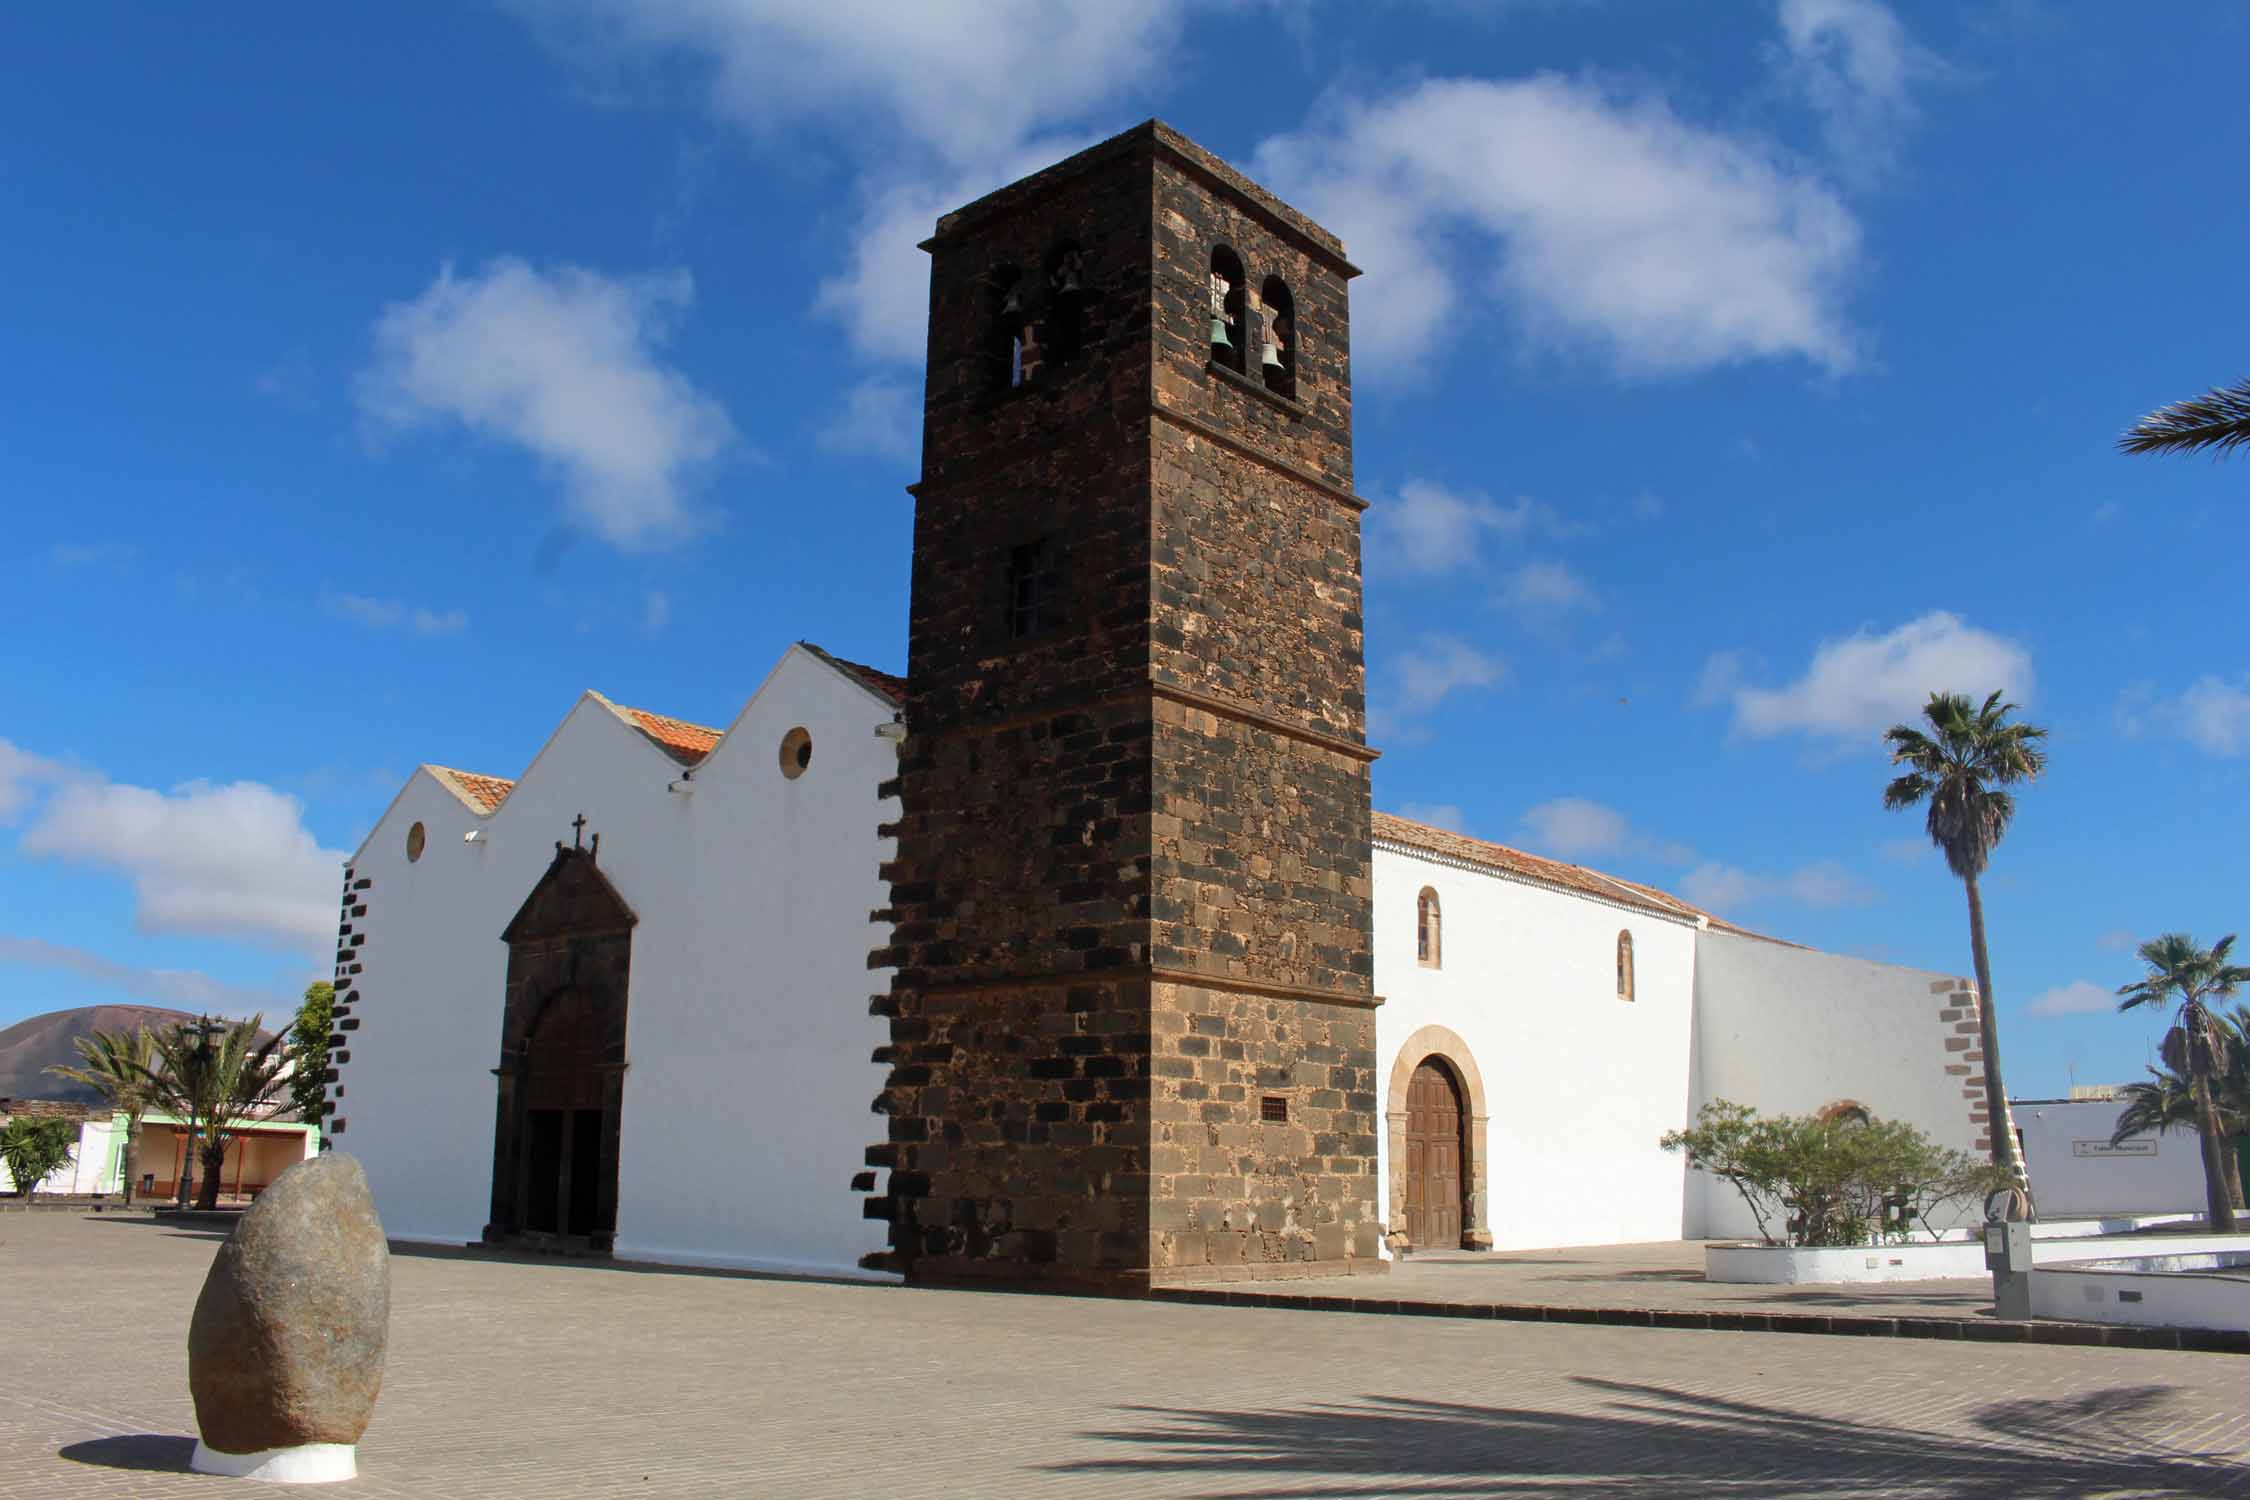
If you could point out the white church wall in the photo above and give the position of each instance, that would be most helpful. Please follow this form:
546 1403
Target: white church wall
744 1113
1578 1083
1789 1030
750 981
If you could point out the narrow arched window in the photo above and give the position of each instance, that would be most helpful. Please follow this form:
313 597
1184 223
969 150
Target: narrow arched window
1624 966
1277 348
1228 333
1011 331
1062 334
1428 942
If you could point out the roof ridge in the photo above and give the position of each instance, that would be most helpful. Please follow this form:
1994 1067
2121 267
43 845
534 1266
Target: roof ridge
1507 859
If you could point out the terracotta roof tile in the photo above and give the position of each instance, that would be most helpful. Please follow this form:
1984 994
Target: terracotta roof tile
684 742
482 793
881 683
1543 871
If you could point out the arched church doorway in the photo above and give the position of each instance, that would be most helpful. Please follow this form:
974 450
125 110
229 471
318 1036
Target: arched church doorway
561 1078
1434 1156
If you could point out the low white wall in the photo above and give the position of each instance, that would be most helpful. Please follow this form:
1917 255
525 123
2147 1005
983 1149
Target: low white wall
1790 1031
2142 1299
1774 1265
1579 1084
87 1170
2075 1170
1949 1259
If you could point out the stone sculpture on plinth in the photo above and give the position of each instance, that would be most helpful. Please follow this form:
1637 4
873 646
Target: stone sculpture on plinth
285 1354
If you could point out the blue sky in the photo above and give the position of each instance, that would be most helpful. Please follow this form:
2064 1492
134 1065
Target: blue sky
1727 377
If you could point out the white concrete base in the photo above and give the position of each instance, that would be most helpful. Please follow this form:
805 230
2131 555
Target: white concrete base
308 1463
1780 1265
1944 1260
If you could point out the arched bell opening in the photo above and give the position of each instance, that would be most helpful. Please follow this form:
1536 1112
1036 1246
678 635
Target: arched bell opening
1229 335
1277 349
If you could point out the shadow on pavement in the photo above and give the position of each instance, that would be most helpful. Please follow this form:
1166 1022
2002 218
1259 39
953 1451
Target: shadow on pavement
1649 1441
152 1451
423 1250
173 1231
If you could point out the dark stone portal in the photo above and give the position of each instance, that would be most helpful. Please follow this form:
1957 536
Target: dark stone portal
562 1063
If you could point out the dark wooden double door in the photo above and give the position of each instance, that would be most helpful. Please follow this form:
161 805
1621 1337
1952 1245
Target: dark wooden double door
564 1095
1433 1158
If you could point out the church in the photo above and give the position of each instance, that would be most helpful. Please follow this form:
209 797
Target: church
1077 955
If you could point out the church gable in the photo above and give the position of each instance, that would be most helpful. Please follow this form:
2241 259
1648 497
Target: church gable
574 898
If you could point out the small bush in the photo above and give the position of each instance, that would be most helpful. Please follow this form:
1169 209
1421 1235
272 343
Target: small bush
1831 1182
33 1148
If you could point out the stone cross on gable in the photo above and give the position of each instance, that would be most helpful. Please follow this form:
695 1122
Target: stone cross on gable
578 832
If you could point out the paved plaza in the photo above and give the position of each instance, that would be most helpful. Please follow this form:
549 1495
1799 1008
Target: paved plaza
527 1378
1664 1276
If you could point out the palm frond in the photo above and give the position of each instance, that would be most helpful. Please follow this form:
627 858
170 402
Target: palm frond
2219 418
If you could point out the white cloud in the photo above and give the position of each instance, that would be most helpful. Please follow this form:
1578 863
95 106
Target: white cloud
2213 715
942 103
223 861
1430 529
1854 63
1575 828
2117 940
967 81
564 364
1858 686
1445 664
1446 815
881 417
182 988
2077 998
20 772
1908 851
656 612
1729 888
1547 588
390 614
1600 217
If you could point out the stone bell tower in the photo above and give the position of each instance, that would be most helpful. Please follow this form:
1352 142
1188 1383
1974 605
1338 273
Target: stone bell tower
1132 1026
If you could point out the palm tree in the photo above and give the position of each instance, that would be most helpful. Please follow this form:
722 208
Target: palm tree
2167 1100
1960 768
225 1086
2216 419
2197 1044
117 1063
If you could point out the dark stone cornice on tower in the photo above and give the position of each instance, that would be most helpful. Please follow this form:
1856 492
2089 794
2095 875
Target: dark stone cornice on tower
1148 136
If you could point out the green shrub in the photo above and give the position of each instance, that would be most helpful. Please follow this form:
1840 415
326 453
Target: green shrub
1831 1182
32 1148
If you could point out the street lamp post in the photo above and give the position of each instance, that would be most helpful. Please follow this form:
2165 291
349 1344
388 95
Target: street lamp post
203 1028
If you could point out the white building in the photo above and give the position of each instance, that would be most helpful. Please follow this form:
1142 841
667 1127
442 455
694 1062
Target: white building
1542 1024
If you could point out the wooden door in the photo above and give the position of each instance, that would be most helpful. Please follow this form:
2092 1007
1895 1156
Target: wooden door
1433 1159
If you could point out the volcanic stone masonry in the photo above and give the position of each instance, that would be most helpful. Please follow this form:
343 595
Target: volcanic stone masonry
1132 1024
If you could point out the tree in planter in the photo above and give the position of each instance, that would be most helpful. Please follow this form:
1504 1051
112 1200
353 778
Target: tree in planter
308 1050
224 1081
34 1147
117 1063
1961 768
1830 1182
2196 1046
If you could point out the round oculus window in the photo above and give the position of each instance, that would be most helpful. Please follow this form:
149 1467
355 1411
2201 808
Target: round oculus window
796 752
416 837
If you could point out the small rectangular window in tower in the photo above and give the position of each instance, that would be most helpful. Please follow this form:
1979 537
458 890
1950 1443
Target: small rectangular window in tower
1274 1109
1033 608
